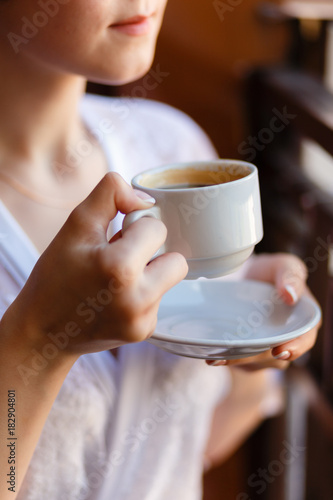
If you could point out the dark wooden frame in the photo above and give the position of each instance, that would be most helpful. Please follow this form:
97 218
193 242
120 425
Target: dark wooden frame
298 216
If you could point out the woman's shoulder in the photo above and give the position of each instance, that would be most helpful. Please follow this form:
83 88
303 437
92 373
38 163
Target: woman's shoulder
145 118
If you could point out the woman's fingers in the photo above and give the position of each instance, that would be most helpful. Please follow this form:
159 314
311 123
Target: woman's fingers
287 272
166 271
297 347
253 363
127 260
111 195
138 243
278 357
290 277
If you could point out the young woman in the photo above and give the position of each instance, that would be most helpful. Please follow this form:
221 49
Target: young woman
87 410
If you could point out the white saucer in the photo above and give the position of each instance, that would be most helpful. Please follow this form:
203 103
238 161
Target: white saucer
212 319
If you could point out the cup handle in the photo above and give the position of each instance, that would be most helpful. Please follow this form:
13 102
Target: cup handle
132 217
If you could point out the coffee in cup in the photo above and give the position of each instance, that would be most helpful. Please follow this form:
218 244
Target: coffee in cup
192 177
211 209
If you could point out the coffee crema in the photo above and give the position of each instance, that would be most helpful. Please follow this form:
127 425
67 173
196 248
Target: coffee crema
189 178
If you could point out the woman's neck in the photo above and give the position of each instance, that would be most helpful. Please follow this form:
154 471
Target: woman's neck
39 125
39 118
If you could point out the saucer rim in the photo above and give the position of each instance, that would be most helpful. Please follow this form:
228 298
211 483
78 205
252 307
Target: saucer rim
262 342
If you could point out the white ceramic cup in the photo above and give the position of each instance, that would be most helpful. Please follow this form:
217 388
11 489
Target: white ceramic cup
211 209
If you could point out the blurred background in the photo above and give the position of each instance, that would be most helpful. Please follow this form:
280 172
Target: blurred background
258 77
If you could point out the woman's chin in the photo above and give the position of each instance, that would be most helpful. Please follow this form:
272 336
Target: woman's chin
130 71
118 80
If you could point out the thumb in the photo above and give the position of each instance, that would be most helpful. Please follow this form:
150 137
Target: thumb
112 195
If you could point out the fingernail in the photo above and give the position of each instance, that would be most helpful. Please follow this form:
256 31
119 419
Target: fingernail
217 362
292 293
144 196
284 355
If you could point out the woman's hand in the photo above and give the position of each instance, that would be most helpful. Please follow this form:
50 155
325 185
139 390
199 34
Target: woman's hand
289 274
87 294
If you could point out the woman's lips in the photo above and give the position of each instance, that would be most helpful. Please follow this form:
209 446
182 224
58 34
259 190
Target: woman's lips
137 25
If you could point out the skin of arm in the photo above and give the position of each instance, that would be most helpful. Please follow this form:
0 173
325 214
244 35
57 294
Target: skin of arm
239 414
33 402
61 298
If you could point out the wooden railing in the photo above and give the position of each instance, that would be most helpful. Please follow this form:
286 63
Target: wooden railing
307 21
298 216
